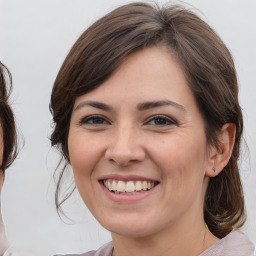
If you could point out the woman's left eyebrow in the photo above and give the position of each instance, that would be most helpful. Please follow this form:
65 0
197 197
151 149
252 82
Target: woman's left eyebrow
161 103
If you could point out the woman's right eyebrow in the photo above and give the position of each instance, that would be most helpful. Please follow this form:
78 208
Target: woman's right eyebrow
94 104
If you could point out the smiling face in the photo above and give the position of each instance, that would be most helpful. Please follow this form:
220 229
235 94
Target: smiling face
138 149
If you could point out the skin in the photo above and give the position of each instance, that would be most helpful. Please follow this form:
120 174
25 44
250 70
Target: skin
127 140
4 244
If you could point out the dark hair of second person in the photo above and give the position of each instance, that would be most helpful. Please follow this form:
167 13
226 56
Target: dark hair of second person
8 141
7 120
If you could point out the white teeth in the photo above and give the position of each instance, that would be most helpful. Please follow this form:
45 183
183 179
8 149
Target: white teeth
109 185
131 187
120 186
114 184
144 185
138 185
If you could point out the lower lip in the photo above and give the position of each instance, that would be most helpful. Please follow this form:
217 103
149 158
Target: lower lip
122 198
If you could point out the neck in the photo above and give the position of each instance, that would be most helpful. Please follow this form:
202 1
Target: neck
191 240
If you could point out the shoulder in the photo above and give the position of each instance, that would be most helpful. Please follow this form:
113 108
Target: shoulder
234 244
16 251
105 250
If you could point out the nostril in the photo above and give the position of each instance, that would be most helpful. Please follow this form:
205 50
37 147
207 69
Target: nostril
122 162
122 158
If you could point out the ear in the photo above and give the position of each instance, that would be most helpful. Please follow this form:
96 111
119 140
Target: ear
220 156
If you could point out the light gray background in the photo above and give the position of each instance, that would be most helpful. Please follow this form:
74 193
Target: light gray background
35 37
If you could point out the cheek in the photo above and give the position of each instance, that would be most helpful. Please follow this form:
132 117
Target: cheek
182 164
83 153
181 159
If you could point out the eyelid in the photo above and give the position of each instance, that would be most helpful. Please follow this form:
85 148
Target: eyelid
169 119
85 119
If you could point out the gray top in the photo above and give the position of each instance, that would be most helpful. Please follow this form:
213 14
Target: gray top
234 244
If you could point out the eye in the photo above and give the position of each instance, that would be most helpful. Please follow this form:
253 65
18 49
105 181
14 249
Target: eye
160 120
94 120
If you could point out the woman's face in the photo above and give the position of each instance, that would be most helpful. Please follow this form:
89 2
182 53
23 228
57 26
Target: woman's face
138 148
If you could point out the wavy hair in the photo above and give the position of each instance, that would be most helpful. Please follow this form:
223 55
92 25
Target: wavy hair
7 121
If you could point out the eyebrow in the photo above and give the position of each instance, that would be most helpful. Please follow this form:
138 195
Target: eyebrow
94 104
141 106
161 103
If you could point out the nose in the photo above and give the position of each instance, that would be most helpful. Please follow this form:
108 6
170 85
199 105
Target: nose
126 147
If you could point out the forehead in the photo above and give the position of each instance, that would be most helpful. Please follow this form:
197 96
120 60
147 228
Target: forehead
148 74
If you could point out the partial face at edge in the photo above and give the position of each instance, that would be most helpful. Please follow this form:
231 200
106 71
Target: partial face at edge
139 128
1 156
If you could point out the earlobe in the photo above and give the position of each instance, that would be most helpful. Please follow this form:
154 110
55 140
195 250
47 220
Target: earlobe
220 156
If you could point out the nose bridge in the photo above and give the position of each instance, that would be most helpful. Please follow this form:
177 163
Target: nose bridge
125 146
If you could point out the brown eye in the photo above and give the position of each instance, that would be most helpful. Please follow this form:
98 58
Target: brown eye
161 120
94 120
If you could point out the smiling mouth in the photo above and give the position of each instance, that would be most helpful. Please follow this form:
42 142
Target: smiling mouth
128 187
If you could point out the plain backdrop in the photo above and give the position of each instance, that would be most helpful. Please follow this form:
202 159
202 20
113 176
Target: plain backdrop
35 37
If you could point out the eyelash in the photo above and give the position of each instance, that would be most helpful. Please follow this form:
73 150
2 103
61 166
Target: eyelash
86 120
168 121
164 120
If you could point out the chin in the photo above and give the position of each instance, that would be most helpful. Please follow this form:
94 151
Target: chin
129 231
129 227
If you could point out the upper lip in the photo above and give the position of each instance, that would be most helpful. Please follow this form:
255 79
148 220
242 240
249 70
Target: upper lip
126 177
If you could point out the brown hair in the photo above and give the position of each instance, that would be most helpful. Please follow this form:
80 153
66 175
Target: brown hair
7 119
210 73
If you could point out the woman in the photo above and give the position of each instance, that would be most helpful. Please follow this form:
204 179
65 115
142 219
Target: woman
146 112
8 140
